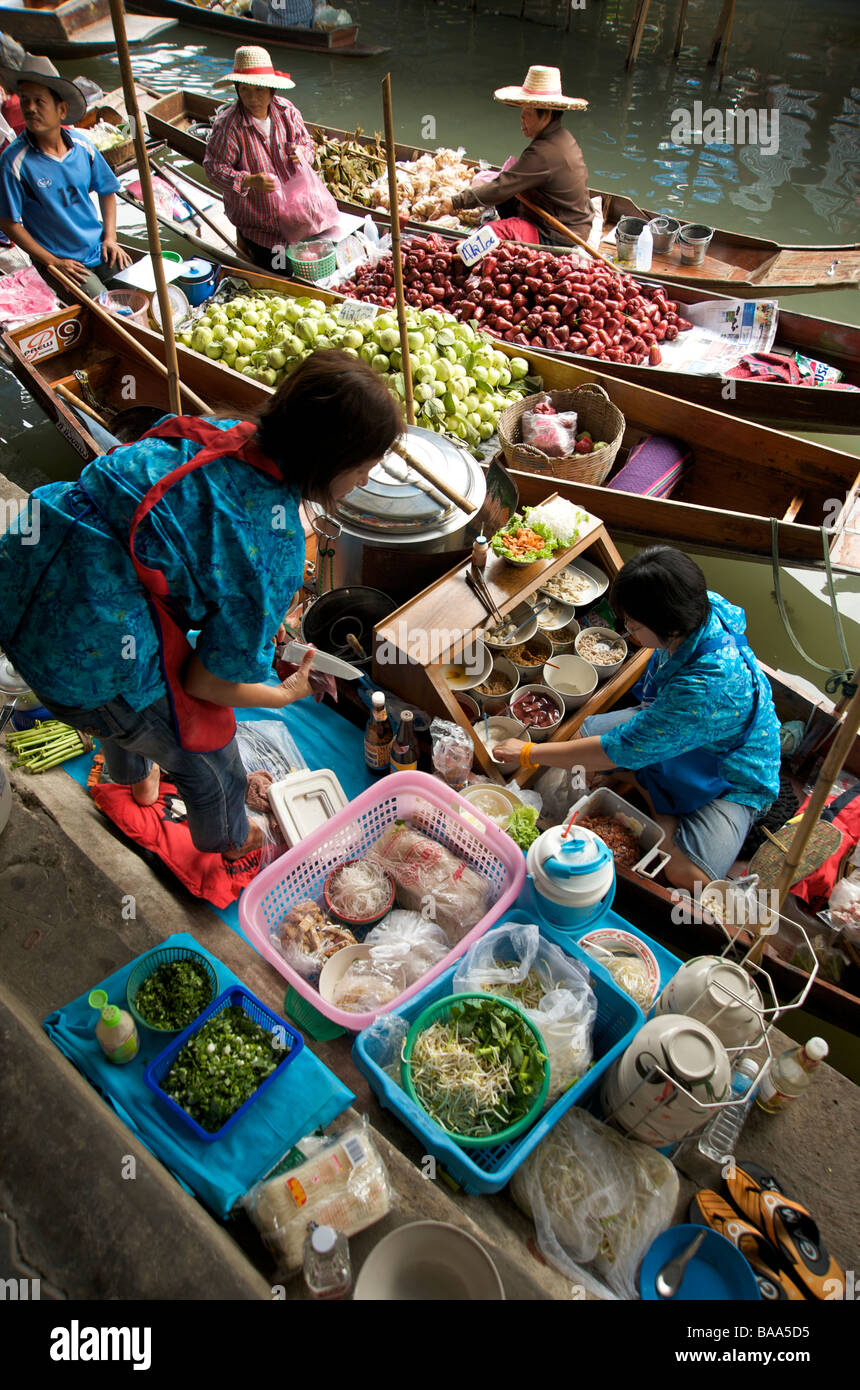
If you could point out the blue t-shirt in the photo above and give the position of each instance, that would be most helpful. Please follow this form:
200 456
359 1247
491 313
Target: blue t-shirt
227 537
51 197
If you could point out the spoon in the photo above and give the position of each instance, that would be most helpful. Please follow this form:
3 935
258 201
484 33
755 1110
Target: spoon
536 611
670 1277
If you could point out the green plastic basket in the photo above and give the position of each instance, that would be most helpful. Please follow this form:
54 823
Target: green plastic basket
440 1011
148 964
324 263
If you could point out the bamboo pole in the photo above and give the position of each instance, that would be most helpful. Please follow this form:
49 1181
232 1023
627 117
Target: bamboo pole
142 159
830 769
560 227
394 204
78 404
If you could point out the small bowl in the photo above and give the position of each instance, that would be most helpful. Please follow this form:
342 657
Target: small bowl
428 1261
517 615
495 704
571 670
470 707
603 671
568 635
361 924
560 619
336 967
540 643
504 725
623 942
477 666
500 801
718 1271
535 734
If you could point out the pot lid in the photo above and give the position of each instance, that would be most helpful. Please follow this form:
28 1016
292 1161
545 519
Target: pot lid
396 500
567 858
196 269
690 1054
11 684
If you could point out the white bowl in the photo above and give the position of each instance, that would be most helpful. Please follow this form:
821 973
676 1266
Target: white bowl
477 667
495 704
533 733
540 642
622 943
603 671
517 615
494 803
560 619
428 1261
566 644
571 670
503 725
336 967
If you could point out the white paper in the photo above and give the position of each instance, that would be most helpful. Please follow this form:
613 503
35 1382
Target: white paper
142 277
723 332
474 248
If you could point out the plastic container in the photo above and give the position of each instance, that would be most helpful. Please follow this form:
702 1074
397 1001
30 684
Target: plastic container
438 1012
418 798
694 238
148 964
313 260
572 876
127 304
720 1135
305 802
664 233
627 234
326 1264
115 1029
645 248
606 802
197 280
489 1169
237 995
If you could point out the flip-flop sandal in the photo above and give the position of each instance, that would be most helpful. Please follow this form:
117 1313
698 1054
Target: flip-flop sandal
710 1209
788 1226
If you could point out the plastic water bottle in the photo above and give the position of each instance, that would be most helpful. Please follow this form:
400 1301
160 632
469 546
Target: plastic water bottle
718 1138
645 248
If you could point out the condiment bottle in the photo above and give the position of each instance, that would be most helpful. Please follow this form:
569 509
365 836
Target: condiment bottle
115 1030
378 736
790 1075
326 1263
479 552
404 749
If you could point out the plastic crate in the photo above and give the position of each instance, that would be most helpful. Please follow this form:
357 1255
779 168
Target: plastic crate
667 962
158 1068
148 964
428 805
488 1170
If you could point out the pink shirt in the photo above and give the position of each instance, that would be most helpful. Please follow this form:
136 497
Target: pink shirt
236 148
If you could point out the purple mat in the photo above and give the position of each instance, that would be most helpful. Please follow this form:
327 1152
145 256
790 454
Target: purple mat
653 468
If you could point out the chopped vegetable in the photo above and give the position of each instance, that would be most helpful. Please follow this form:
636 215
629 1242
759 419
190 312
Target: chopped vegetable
221 1067
563 519
525 543
480 1071
522 826
174 994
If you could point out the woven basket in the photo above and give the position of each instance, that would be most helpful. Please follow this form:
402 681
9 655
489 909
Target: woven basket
118 154
595 413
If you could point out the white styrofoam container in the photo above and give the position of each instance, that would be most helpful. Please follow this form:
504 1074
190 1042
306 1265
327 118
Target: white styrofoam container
605 802
304 801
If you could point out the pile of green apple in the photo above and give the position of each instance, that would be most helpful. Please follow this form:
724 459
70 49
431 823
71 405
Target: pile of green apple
461 380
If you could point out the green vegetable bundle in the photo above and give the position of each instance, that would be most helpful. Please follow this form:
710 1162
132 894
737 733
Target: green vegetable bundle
46 745
221 1067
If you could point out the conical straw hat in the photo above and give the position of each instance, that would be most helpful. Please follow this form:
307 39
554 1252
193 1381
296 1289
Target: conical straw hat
542 87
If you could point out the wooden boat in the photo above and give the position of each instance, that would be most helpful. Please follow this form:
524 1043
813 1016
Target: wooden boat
75 28
336 43
741 475
749 266
46 354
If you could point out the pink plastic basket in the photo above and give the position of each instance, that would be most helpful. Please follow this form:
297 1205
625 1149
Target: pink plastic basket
428 805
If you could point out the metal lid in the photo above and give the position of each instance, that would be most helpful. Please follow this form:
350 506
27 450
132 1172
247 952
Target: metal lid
397 501
690 1053
11 684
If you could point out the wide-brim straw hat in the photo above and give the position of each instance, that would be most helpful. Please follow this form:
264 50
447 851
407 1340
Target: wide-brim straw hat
542 87
38 69
253 66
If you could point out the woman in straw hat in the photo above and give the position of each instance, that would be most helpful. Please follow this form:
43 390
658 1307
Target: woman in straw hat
254 143
551 170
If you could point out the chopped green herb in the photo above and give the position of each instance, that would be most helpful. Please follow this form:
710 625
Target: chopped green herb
174 994
222 1066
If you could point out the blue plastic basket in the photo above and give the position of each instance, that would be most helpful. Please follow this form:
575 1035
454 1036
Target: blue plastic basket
488 1170
158 1068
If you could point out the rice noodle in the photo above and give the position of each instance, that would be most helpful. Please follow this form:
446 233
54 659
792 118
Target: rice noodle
359 890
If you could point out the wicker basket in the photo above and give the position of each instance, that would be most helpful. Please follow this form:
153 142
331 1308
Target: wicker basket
595 413
118 154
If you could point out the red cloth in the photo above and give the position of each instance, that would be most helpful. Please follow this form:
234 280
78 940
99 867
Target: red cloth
816 888
767 366
11 110
515 229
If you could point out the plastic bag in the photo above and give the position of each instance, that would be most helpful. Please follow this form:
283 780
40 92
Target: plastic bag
344 1183
453 751
844 908
384 1040
307 940
553 434
364 987
596 1198
553 989
303 205
408 941
432 880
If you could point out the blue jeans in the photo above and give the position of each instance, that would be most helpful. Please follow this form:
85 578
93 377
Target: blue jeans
713 835
212 784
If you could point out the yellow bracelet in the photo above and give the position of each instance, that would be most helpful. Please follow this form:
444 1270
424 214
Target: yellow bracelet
525 756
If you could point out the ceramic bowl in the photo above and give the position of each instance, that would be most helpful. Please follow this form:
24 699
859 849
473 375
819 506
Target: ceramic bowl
517 615
500 727
468 665
358 926
604 671
495 704
720 994
619 942
570 670
563 638
429 1261
535 734
541 644
560 615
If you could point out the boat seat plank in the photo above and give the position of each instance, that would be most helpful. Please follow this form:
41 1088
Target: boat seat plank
796 267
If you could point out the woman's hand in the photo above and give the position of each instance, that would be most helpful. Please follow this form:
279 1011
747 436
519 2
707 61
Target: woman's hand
509 751
298 685
258 183
446 207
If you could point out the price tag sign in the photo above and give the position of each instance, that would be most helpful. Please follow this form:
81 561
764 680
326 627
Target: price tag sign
476 247
354 311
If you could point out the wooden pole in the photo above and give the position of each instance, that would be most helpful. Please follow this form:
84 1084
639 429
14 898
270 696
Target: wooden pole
679 33
143 353
830 769
728 35
560 227
394 204
142 159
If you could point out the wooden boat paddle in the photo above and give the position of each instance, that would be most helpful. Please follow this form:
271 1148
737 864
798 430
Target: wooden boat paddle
143 353
429 476
560 227
168 175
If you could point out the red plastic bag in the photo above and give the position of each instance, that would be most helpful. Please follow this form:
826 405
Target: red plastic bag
304 204
554 435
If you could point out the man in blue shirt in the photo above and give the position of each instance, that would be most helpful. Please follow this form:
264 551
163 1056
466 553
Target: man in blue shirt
46 178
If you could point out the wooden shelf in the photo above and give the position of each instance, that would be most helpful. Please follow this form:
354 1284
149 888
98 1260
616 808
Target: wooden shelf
413 645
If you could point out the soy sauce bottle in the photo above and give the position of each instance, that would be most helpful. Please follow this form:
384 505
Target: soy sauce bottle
378 737
404 749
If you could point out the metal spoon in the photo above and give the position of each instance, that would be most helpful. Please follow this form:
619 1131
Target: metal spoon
536 611
670 1277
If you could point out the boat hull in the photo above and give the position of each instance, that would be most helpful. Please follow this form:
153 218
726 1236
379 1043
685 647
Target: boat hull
338 43
75 29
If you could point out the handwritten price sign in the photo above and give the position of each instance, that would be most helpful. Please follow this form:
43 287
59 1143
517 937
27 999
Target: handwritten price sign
476 247
354 311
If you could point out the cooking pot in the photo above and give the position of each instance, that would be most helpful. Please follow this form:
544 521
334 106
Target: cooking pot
572 876
397 514
353 611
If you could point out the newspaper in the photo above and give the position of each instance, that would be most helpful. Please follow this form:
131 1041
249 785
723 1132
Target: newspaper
724 331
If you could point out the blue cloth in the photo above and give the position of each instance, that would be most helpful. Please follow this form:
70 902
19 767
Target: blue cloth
51 197
705 706
74 619
296 14
306 1096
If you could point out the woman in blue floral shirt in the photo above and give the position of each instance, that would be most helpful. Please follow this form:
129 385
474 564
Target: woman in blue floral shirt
704 737
130 558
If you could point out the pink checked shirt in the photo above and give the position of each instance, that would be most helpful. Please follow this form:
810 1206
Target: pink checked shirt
237 148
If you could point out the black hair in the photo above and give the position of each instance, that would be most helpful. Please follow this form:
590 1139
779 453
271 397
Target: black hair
330 415
663 589
546 111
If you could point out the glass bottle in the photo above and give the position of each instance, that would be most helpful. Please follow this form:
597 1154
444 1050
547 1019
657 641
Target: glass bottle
720 1135
404 749
480 549
790 1075
378 737
326 1263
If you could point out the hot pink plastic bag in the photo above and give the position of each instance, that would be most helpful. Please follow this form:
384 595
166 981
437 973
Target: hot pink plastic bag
304 204
554 435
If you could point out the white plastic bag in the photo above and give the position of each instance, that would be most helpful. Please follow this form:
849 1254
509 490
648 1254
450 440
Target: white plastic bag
553 989
407 942
596 1198
844 909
